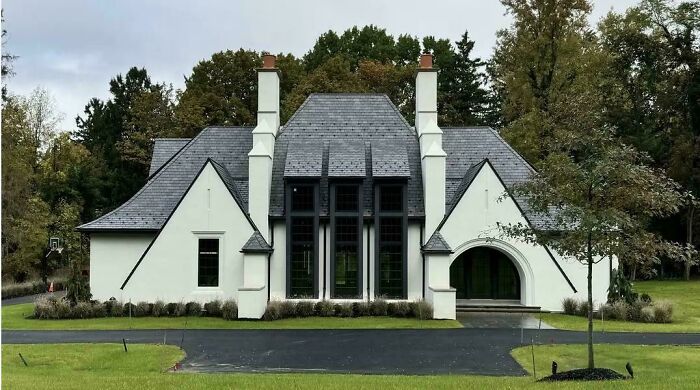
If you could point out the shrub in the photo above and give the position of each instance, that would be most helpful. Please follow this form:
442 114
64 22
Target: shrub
362 309
399 309
193 309
273 311
288 309
171 308
645 298
305 309
180 309
82 310
379 307
620 310
14 290
663 311
422 310
159 309
647 314
570 306
142 309
129 310
606 312
229 310
345 309
99 310
324 308
583 309
116 309
213 308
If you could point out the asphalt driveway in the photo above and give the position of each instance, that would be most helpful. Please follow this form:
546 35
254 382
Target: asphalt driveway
426 351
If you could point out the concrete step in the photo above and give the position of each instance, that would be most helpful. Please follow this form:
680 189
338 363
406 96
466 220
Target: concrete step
499 309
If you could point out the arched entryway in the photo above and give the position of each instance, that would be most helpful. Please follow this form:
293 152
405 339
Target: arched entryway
485 273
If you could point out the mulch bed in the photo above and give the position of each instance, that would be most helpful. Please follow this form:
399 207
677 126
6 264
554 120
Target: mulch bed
585 374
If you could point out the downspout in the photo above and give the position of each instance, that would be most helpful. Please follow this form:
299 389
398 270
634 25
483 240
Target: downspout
324 261
368 267
269 262
422 227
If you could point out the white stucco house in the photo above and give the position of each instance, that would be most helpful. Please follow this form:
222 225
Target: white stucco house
346 201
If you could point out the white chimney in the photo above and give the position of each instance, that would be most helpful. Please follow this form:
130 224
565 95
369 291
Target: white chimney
264 134
430 137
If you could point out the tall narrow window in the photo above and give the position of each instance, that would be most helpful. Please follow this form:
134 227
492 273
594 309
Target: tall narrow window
391 253
346 228
208 269
302 227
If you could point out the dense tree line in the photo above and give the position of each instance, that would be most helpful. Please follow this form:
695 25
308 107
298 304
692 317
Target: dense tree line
638 71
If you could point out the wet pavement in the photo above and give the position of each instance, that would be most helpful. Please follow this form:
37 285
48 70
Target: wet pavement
502 321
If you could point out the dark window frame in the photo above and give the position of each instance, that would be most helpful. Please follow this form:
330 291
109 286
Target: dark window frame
199 262
357 213
290 214
378 215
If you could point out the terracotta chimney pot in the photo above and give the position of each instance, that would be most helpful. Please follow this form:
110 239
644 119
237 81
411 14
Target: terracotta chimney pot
426 61
269 61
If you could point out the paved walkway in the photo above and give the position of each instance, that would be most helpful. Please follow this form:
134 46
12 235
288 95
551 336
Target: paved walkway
428 351
502 320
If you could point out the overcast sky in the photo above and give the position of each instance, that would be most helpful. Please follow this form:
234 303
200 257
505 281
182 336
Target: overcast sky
73 48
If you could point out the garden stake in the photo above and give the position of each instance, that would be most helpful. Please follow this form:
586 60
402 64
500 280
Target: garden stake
124 341
182 340
23 361
534 369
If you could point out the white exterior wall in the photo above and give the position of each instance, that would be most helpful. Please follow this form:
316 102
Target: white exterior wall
415 263
473 223
278 262
112 256
169 270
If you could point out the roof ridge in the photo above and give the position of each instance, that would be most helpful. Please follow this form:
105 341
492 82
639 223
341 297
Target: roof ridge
513 151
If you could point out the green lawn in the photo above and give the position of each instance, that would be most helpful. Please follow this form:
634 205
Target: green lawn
14 317
686 310
107 366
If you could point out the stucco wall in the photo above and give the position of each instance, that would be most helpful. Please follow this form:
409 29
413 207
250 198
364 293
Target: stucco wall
473 223
112 256
169 270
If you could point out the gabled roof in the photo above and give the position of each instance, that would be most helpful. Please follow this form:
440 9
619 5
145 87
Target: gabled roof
466 147
361 118
149 208
256 244
437 244
163 150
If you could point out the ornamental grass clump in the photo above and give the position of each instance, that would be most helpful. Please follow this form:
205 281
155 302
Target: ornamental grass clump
273 311
362 309
213 308
288 309
379 307
194 309
159 309
620 310
142 309
82 310
324 308
399 309
305 309
229 310
345 309
422 310
116 309
663 311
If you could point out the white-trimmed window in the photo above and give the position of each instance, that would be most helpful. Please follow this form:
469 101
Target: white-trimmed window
208 262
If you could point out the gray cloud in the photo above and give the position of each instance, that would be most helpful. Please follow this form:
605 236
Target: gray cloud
74 47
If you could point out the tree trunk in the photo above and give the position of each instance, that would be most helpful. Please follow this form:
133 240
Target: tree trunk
591 363
689 239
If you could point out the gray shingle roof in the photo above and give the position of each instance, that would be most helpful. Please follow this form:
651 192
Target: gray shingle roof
304 159
346 158
256 244
469 146
149 208
437 244
327 118
389 159
163 150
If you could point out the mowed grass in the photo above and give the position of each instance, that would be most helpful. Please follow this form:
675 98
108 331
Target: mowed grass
107 366
686 310
15 317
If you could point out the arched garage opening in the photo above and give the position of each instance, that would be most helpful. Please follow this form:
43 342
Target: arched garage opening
485 273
